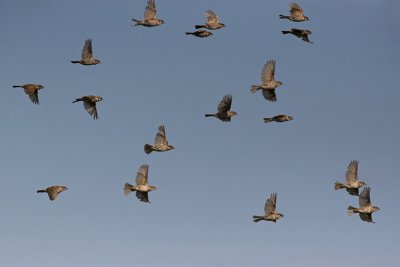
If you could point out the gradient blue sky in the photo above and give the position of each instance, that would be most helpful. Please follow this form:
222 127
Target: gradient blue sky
343 92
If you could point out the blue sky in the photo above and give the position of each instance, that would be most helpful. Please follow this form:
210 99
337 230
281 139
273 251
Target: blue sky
342 92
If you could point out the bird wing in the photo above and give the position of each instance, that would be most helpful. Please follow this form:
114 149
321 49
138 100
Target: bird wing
87 52
352 191
366 217
53 192
32 92
268 72
352 172
143 196
269 94
364 198
296 10
90 107
161 137
141 175
225 104
212 18
150 10
270 204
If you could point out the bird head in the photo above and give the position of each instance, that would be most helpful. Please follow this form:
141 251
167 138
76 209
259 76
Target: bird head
222 25
98 98
97 61
306 18
161 21
361 184
151 187
171 147
308 32
290 118
232 113
375 208
40 86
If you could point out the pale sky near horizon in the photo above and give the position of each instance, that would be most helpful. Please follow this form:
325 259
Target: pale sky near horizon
342 92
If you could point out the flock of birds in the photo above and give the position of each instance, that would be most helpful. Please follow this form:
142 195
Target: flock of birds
224 113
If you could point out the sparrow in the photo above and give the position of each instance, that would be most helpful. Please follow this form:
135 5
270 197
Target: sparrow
296 13
150 19
53 191
270 211
300 33
200 33
224 113
161 143
89 103
279 118
32 91
366 209
268 82
212 22
87 55
352 183
142 187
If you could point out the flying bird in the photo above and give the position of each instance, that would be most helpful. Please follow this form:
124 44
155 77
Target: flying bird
366 209
224 109
161 143
200 33
53 191
87 55
212 22
279 118
32 91
352 183
270 211
268 82
300 33
142 187
89 103
296 13
150 16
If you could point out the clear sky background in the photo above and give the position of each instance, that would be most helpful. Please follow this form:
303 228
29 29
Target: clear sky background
343 92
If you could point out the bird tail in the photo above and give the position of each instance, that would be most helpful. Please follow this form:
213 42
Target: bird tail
283 17
148 148
266 120
286 32
76 100
198 26
255 88
15 86
351 210
257 218
209 115
188 32
339 186
128 188
75 61
138 22
41 191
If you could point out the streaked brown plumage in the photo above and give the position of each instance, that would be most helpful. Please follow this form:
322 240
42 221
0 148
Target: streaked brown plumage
352 183
366 209
224 109
89 103
279 118
268 82
32 91
53 191
212 22
200 33
160 142
142 187
296 13
87 55
269 210
300 33
150 16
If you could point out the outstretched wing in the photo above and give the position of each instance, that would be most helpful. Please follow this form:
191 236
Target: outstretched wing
32 93
225 104
142 175
150 11
87 52
296 10
212 18
268 72
366 217
161 137
269 94
270 204
90 107
352 172
364 198
143 196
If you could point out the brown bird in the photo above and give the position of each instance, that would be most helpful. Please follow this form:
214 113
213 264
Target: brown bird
200 33
296 13
300 33
53 191
161 143
268 82
150 16
142 187
366 209
224 109
89 103
87 55
279 118
270 211
212 22
352 183
32 91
